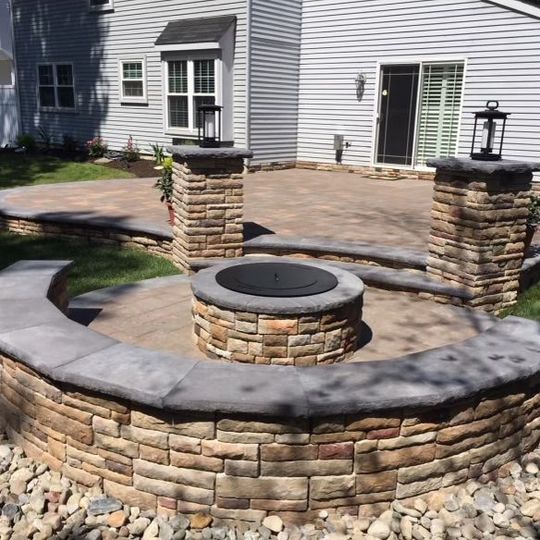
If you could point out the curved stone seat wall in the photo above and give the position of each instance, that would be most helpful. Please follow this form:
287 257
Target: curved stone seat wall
242 441
243 467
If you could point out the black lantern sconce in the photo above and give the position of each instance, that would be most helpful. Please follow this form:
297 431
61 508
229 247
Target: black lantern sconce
209 126
492 118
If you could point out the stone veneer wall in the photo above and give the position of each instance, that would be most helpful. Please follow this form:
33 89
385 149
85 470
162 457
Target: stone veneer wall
301 340
245 468
152 244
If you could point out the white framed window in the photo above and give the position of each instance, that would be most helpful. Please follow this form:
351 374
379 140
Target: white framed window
7 79
101 5
190 83
133 80
56 87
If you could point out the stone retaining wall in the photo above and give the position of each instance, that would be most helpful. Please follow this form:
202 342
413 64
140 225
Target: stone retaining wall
239 467
152 244
301 340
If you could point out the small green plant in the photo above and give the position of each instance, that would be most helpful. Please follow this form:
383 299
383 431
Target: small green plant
96 147
534 212
165 182
131 150
159 153
45 137
27 141
69 144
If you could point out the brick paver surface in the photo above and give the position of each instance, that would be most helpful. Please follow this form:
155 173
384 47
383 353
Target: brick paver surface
399 323
292 202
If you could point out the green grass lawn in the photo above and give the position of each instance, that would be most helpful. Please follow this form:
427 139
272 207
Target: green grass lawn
30 170
528 305
95 267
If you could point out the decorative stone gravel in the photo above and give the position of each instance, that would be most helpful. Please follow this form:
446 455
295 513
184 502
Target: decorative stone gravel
38 504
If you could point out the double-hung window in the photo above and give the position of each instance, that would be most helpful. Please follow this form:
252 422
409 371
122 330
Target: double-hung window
190 84
56 86
133 81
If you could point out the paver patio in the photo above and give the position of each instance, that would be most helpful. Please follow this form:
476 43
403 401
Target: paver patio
159 318
294 202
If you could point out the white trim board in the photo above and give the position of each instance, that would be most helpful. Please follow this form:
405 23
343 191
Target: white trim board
518 5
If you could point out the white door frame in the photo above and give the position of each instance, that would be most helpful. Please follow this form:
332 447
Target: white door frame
421 61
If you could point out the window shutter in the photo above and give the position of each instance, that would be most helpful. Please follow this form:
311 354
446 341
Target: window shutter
440 106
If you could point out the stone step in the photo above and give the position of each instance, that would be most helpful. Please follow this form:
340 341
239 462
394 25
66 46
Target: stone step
387 256
380 278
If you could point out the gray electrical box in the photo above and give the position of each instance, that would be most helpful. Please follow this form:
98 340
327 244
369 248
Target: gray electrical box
339 142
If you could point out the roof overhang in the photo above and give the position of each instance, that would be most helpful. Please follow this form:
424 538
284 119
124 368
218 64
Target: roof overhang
531 8
195 34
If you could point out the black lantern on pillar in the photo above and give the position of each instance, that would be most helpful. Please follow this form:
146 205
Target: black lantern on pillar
492 142
209 121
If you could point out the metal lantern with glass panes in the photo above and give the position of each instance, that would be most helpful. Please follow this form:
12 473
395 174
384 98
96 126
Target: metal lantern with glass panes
493 130
209 126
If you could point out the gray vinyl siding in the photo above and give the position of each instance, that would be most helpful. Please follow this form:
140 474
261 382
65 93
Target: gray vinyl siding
67 31
345 37
274 78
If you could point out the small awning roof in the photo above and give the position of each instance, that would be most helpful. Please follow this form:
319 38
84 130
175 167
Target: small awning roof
203 30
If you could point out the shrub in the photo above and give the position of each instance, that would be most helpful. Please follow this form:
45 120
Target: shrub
27 141
534 211
45 137
165 182
131 150
69 144
159 153
97 147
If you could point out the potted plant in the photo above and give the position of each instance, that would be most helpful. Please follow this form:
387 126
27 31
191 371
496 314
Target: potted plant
532 221
165 185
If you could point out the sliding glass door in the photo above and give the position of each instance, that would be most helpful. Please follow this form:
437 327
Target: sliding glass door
419 112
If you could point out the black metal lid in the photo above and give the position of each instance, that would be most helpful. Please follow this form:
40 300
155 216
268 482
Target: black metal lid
278 280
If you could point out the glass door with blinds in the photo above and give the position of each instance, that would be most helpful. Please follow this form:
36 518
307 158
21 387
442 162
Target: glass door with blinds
434 114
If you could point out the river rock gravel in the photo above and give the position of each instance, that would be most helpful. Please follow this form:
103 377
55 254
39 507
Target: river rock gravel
39 504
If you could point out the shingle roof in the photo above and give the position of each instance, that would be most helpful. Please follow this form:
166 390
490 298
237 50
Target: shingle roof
203 30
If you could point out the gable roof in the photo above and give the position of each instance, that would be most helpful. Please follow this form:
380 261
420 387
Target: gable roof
201 30
529 7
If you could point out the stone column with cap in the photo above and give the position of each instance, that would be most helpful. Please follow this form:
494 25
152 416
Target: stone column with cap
479 221
208 203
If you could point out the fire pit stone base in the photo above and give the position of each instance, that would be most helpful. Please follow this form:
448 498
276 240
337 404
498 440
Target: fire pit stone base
301 331
301 340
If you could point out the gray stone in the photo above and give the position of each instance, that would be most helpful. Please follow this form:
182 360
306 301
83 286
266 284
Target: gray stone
379 529
486 168
183 153
104 505
10 510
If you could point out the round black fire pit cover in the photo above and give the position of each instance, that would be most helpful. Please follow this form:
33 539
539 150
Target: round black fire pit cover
279 280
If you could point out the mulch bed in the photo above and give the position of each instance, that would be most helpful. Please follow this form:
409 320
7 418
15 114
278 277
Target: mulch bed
141 169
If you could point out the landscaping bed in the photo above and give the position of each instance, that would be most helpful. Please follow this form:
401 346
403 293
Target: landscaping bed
95 266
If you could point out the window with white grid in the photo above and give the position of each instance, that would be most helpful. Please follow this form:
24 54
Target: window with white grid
190 84
133 80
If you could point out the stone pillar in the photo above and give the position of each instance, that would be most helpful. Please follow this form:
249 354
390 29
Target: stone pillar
478 228
208 203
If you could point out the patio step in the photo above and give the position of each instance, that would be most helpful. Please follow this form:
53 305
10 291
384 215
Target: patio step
377 277
387 256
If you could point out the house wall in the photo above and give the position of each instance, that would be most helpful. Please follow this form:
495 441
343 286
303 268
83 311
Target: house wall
8 96
274 78
67 31
344 38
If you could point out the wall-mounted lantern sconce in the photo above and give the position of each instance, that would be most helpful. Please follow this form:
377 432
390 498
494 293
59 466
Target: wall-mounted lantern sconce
210 126
493 118
360 82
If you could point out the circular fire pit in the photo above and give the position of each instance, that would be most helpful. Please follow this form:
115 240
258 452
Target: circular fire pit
277 312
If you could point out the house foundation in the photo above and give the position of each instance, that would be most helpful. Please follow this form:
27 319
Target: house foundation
479 221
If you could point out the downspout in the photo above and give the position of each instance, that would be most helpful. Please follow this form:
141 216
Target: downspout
15 68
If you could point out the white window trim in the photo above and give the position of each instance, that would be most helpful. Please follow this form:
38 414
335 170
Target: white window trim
421 61
190 58
140 100
104 7
73 109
